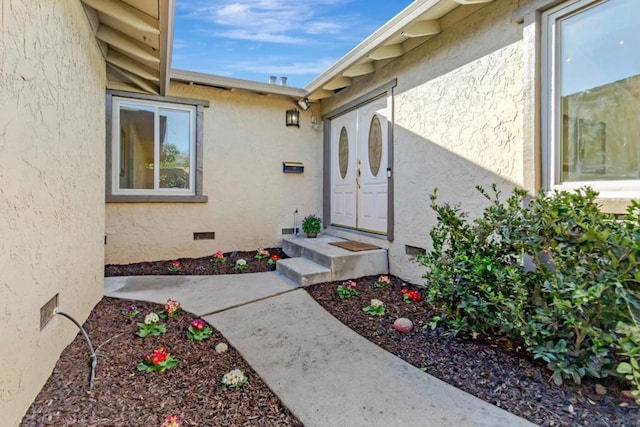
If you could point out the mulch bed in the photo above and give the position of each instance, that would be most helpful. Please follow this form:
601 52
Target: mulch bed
123 396
197 266
496 371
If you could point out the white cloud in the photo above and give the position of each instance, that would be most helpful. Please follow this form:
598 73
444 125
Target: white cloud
271 21
280 66
260 37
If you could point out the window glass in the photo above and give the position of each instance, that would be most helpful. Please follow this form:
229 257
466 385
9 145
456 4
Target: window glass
597 71
174 149
154 147
136 147
375 145
343 152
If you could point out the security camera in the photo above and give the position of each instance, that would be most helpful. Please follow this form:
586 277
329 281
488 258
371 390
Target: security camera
304 104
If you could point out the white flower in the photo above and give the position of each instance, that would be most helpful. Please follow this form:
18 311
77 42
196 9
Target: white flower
241 262
376 303
151 318
234 378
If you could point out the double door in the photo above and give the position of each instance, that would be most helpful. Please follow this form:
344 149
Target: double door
359 167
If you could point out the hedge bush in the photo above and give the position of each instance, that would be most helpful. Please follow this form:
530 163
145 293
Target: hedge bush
553 272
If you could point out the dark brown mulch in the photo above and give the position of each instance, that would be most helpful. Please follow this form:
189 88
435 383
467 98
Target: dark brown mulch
497 372
197 266
123 396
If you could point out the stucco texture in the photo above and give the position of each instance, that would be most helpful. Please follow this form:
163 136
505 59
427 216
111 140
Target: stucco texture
52 80
250 199
458 121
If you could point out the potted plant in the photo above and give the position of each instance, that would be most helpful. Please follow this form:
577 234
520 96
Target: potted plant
311 225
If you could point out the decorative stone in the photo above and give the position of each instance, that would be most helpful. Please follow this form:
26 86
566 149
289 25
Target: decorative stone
600 389
403 325
222 347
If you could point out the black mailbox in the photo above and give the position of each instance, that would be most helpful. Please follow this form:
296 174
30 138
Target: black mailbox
292 167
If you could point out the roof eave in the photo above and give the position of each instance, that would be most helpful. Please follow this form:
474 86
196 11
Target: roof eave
231 83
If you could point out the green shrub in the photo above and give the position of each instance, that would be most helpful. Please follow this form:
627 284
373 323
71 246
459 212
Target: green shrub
567 308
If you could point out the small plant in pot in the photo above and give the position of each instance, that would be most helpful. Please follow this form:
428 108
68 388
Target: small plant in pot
311 225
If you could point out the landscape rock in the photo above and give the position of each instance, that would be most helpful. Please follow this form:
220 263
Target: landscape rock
600 389
403 325
222 347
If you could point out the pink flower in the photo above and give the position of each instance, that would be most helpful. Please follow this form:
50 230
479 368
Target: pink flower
218 255
171 307
175 264
171 421
197 324
350 284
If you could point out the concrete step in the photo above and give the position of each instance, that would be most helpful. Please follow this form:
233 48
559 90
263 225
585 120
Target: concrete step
303 271
342 263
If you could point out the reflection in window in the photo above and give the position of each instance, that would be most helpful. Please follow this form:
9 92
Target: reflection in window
597 87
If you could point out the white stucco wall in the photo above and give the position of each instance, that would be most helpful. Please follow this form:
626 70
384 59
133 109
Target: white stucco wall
458 122
250 199
52 80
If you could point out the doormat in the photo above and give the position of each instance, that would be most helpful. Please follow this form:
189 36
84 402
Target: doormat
352 246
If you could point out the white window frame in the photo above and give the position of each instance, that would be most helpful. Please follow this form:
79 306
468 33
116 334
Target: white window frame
115 149
551 122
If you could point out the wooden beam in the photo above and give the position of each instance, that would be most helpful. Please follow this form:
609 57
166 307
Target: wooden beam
384 52
319 94
122 12
141 83
359 70
133 47
124 87
126 63
337 83
422 28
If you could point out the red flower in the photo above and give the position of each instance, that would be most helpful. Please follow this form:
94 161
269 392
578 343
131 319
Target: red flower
198 324
275 257
403 291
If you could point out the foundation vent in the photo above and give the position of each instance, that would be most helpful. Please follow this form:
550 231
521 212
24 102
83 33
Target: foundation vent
288 231
414 250
209 235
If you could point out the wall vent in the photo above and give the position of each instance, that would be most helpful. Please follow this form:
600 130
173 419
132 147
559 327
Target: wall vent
289 231
414 250
209 235
47 311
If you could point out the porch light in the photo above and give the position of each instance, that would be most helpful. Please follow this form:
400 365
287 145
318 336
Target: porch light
293 118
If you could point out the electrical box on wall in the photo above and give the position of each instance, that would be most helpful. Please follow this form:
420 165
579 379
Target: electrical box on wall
292 167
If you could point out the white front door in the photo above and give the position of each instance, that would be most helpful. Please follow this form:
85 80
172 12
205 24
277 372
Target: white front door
343 170
359 161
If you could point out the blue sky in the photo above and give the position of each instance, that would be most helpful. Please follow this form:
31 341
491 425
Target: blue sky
254 39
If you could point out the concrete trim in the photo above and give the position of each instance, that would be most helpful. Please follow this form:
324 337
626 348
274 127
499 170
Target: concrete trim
326 173
522 13
155 199
390 166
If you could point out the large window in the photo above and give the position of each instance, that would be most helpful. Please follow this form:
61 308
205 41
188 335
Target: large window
591 85
153 148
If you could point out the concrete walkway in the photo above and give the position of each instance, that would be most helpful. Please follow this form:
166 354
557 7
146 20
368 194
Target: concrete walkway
325 373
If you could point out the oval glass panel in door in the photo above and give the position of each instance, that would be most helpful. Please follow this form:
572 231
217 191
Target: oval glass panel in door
375 145
343 152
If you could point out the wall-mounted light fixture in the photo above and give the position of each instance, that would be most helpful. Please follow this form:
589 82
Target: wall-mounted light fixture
293 118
